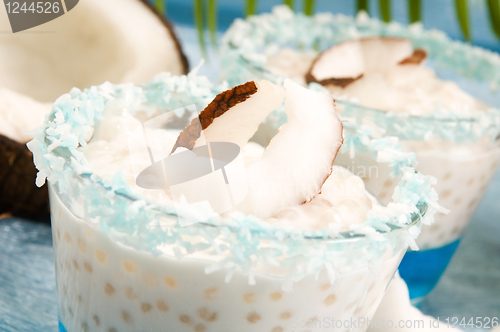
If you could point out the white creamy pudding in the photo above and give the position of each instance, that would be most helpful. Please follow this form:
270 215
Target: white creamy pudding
306 245
463 170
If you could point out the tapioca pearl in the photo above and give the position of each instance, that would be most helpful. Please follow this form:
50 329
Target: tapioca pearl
249 297
457 201
162 306
81 245
324 287
87 267
199 328
210 293
85 327
150 280
75 265
313 320
435 227
109 289
445 194
101 256
441 237
388 184
473 203
97 321
146 307
471 182
276 296
126 317
253 317
447 176
130 266
207 315
170 282
67 237
330 299
285 315
277 329
130 294
89 232
383 195
185 319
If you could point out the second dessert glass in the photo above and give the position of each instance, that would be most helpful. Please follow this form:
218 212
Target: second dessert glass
461 150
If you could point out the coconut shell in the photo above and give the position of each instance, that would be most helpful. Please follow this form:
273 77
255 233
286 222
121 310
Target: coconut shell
341 82
168 25
416 57
220 105
19 196
419 55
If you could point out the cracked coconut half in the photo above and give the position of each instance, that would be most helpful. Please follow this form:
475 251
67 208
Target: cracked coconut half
119 41
347 62
297 161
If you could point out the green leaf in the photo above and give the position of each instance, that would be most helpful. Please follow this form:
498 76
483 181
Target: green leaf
363 5
212 20
289 3
250 8
414 8
385 10
463 17
309 7
494 9
198 20
160 6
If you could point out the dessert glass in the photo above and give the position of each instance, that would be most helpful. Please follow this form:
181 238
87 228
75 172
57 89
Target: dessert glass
124 263
461 150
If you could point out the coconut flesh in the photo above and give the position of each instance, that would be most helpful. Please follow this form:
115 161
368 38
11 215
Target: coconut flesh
119 41
382 73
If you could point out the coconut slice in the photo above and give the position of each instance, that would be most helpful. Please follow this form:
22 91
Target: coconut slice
299 158
233 116
346 62
416 58
119 41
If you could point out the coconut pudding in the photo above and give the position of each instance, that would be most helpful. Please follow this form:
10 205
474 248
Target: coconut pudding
388 74
416 85
306 242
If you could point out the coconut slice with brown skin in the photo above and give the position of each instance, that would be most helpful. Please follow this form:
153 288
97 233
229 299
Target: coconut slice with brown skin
299 159
119 41
346 62
233 116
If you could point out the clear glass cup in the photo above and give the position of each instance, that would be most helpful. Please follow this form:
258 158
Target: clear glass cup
125 263
463 172
104 284
460 150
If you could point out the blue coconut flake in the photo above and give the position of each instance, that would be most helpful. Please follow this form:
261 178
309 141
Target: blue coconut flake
245 242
